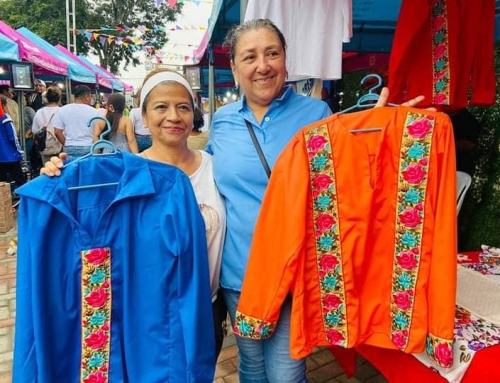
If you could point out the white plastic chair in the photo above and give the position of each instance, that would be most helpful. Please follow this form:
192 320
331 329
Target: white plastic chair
463 183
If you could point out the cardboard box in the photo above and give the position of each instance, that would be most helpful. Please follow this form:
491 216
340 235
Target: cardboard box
6 215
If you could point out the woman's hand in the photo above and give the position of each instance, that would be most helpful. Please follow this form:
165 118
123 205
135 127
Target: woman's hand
53 167
384 97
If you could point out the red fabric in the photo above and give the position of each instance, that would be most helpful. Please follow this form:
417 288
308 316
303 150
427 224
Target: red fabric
422 60
398 367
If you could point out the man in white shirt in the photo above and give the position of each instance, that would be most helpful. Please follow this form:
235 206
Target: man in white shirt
71 123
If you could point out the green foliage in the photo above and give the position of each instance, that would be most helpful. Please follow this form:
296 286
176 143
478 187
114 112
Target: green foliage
479 221
47 18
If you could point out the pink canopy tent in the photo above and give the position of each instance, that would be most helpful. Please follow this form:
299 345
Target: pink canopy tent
103 81
44 63
127 87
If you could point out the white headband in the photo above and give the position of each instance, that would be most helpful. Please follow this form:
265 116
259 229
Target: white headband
161 77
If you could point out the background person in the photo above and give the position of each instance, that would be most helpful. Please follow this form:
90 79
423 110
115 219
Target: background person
10 150
71 123
122 131
197 140
35 100
142 133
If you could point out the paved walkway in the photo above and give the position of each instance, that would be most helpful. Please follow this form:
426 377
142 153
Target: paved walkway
321 366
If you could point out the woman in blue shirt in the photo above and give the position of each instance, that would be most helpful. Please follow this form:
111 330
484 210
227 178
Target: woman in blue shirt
275 113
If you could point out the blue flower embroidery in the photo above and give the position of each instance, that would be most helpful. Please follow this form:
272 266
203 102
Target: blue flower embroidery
245 328
440 85
97 319
98 276
416 151
412 196
409 239
401 320
265 331
319 162
326 242
440 65
323 202
404 281
333 319
330 282
96 361
439 37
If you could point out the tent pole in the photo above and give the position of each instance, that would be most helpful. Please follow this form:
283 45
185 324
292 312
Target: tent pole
243 8
20 128
211 83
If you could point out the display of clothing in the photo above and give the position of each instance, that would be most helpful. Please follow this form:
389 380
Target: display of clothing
444 50
313 52
112 282
360 228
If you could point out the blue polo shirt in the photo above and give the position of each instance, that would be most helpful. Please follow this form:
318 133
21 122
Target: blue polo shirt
238 172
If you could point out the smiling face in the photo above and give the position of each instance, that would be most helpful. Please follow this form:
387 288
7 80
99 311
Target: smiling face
259 66
169 114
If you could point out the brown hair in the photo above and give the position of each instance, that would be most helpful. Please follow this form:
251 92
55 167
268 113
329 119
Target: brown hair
237 31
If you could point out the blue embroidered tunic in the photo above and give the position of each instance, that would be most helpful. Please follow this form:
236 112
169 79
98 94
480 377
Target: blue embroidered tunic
113 282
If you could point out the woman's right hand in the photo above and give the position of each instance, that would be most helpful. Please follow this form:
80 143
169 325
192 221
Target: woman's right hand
53 167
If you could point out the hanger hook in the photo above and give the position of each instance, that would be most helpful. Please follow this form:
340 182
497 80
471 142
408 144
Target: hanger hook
108 126
373 88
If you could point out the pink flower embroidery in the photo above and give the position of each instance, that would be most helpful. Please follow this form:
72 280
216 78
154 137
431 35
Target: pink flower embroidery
316 143
334 336
328 262
410 218
402 300
423 161
438 23
440 99
331 301
322 182
406 260
444 354
419 128
97 298
413 174
439 51
324 222
399 340
97 256
96 340
95 377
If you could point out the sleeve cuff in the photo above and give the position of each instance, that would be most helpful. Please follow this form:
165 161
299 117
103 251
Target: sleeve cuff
440 350
253 328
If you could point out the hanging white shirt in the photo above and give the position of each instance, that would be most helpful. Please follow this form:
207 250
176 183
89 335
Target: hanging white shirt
314 31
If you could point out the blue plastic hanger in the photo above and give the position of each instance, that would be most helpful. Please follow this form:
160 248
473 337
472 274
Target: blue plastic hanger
99 144
366 100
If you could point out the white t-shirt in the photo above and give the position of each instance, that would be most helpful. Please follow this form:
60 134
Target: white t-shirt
42 116
214 214
314 41
73 120
136 117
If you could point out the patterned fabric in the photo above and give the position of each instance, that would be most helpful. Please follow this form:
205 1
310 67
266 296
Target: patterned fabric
96 315
413 172
326 228
440 54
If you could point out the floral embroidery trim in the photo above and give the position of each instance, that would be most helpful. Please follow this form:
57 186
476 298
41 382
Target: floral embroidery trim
249 327
440 54
328 249
440 350
96 315
415 152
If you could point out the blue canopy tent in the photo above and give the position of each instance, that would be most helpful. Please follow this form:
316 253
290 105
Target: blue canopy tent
117 85
9 50
76 72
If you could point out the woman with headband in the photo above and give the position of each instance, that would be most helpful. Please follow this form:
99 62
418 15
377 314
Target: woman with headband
167 106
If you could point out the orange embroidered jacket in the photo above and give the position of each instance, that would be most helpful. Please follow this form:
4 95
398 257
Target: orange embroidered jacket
360 228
